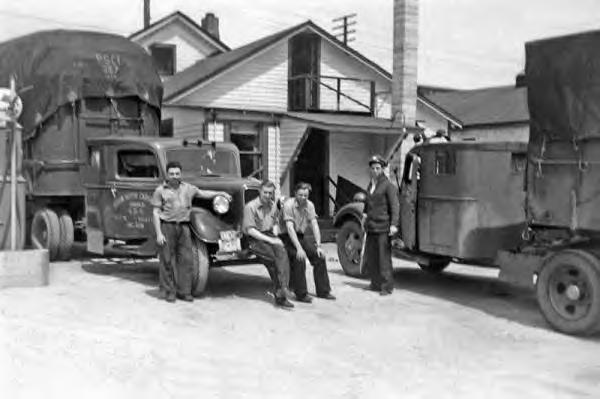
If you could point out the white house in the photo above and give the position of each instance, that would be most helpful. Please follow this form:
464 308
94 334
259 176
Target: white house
299 104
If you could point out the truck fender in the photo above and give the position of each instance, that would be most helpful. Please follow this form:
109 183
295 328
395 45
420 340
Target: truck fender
206 226
353 211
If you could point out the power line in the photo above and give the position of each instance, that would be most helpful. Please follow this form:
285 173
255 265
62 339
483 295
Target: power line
346 21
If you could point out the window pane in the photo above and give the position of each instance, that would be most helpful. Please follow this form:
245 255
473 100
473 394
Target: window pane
137 163
245 142
164 58
250 163
444 162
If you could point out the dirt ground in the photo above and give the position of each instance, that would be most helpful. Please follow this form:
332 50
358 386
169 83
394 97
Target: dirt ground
98 331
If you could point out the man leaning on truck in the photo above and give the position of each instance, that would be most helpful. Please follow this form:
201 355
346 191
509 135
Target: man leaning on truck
172 202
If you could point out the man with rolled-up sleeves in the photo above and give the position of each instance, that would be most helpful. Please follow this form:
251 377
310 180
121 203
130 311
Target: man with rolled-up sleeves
299 215
260 225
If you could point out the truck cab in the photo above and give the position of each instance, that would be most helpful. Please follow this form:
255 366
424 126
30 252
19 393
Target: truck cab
121 174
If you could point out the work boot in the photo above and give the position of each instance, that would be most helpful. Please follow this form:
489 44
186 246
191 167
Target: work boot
170 297
304 299
328 296
283 303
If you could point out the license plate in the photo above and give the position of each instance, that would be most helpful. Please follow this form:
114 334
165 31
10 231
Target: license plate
230 241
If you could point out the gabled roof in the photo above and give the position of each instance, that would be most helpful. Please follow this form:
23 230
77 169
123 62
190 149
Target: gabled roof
489 106
178 15
212 66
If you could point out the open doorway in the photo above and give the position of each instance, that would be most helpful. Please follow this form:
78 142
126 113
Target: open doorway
312 166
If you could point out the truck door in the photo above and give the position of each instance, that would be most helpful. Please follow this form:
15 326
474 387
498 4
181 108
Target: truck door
93 176
127 211
408 200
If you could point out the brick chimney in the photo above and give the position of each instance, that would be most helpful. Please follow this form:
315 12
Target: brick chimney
404 76
146 13
210 23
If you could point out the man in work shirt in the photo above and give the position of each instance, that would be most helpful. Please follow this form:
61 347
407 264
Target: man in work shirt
172 202
261 226
298 214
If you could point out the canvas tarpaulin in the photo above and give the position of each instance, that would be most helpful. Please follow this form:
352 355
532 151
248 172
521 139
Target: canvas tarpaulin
563 86
53 68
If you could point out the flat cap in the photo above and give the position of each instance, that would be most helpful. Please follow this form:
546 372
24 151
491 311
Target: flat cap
377 159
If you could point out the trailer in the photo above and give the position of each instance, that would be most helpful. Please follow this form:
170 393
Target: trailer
529 210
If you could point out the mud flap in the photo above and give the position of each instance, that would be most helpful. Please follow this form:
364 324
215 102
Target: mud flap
95 241
518 268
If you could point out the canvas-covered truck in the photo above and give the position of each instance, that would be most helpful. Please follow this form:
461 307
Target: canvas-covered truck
530 210
92 155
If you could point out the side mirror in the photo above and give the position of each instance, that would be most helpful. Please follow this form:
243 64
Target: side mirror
359 197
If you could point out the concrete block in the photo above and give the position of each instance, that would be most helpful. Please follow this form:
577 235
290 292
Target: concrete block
26 268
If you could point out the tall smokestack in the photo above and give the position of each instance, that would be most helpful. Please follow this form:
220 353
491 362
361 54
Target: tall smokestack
146 13
210 23
404 77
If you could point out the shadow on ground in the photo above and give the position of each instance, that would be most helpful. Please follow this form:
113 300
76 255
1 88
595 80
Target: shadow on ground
484 293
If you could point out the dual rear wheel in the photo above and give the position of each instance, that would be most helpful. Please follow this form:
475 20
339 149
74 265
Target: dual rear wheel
54 231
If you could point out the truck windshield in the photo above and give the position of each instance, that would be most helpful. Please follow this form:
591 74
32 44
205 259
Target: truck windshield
205 161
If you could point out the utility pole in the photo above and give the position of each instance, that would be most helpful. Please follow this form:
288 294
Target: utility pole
346 21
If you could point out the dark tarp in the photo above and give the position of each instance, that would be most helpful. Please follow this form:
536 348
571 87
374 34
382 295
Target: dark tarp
563 86
54 68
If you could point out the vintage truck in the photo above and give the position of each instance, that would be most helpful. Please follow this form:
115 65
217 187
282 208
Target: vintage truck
93 155
529 209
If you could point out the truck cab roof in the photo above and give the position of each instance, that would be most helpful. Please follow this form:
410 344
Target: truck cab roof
163 143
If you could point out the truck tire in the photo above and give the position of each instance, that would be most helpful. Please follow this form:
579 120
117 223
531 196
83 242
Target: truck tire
201 266
45 229
568 292
67 235
435 266
349 243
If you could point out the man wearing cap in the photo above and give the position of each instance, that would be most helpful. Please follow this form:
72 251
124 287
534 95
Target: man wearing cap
297 216
381 215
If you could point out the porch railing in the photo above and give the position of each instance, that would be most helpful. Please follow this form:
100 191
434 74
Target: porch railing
310 93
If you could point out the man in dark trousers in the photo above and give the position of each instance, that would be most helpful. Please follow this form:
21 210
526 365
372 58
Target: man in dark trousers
172 202
261 227
382 212
299 214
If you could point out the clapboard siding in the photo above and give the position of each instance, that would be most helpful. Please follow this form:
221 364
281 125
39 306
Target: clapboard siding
335 62
291 132
190 47
256 84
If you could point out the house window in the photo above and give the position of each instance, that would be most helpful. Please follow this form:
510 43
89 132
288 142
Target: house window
164 58
247 139
215 131
136 164
166 128
445 162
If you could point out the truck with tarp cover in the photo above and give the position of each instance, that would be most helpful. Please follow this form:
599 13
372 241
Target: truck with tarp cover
530 209
92 154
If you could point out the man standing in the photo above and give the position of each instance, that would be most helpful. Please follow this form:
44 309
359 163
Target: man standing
298 214
260 225
382 212
172 202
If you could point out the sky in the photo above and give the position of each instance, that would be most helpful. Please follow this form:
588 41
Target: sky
463 44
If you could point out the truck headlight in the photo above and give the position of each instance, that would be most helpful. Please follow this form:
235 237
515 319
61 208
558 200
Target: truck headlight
220 204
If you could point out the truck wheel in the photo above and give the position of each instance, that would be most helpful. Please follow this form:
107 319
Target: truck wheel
201 266
349 244
434 266
67 235
45 230
568 292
